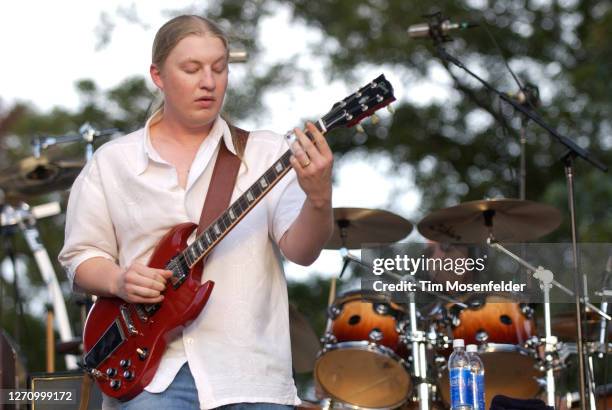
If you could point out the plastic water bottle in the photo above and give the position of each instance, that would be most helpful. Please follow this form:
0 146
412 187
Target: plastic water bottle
477 377
460 377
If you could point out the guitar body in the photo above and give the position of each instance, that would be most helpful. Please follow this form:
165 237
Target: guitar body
120 337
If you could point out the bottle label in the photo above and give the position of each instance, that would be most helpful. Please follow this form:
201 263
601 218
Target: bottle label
460 388
479 392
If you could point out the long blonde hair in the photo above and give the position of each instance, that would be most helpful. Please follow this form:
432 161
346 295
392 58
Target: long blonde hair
170 34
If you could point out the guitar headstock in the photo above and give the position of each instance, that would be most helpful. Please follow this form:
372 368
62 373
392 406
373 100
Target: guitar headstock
359 105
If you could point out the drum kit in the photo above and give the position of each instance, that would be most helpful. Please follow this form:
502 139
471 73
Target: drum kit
379 352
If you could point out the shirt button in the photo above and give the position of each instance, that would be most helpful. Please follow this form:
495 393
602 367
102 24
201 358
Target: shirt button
189 341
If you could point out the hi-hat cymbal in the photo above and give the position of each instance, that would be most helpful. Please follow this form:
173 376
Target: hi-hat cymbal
304 341
36 176
356 226
513 220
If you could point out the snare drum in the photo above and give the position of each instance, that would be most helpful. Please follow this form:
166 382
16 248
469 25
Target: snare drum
362 364
501 328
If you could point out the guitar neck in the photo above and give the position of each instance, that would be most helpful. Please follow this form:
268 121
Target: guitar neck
217 230
345 113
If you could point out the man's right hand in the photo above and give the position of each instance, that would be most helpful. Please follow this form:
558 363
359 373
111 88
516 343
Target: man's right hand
141 284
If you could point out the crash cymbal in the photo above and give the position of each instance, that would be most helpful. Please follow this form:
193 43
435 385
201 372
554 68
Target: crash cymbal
36 176
304 341
512 220
356 226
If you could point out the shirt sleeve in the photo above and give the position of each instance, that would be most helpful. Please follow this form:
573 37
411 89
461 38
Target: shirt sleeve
89 229
285 202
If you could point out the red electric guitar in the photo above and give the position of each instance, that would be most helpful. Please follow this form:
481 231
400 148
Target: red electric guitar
124 342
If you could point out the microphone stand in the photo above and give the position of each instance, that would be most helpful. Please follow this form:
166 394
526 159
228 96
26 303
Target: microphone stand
574 151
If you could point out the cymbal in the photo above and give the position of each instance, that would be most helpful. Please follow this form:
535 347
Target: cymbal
36 176
513 220
304 341
363 225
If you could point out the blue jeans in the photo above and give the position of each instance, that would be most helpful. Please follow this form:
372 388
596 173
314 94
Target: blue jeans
183 395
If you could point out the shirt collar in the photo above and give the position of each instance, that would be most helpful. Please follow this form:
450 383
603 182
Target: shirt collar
220 129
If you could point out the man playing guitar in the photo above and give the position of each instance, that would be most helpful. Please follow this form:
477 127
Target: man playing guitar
236 353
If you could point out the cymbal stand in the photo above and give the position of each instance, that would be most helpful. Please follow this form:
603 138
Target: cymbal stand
419 358
343 225
86 133
547 281
24 218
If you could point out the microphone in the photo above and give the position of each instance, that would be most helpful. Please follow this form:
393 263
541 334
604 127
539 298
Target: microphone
603 325
435 29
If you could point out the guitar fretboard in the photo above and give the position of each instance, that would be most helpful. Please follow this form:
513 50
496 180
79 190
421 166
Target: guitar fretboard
236 211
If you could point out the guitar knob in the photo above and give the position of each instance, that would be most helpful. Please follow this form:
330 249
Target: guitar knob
115 384
110 372
142 352
128 375
125 363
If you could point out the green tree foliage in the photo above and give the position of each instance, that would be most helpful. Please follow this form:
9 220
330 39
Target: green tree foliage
466 147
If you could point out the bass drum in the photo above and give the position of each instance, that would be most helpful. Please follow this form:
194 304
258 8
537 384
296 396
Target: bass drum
362 365
501 328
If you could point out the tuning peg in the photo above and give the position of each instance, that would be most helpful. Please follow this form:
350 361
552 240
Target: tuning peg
391 109
359 128
375 119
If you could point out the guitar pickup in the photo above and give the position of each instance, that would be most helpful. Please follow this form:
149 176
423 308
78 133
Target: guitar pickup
127 320
177 278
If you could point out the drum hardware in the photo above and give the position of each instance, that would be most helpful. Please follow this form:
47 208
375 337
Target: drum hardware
552 360
23 217
86 133
545 275
547 281
527 310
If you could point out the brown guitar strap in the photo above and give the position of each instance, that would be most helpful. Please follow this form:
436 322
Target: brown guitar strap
223 180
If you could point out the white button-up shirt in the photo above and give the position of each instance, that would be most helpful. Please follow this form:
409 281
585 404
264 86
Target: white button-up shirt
127 197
